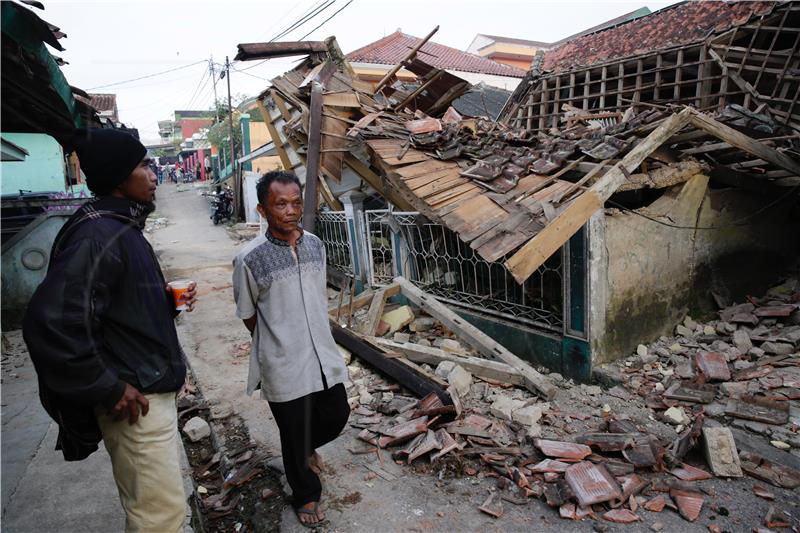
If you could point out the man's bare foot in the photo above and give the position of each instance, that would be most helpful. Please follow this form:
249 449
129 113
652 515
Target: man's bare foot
310 515
316 464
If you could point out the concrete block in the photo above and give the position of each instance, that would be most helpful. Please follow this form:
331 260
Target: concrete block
449 345
402 338
444 369
399 318
196 429
528 415
460 379
721 454
683 331
741 339
220 411
423 323
503 406
777 348
676 416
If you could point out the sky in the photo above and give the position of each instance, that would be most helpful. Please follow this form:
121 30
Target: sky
111 42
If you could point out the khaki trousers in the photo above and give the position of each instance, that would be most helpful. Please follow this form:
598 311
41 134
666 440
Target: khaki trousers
146 465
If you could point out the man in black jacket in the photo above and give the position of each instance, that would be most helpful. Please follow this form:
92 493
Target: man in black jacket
100 330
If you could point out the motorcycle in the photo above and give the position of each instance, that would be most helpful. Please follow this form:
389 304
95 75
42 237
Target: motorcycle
222 205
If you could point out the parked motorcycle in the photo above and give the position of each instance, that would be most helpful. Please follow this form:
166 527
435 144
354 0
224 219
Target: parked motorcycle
222 205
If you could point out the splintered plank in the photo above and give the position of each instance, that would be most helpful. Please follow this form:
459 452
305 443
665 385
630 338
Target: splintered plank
463 217
426 167
446 195
534 381
374 314
502 244
446 207
440 185
419 181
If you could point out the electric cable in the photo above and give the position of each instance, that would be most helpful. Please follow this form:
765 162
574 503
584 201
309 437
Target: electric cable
147 76
198 87
326 20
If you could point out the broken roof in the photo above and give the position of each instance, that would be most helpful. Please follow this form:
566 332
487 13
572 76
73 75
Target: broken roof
676 25
512 194
391 49
36 95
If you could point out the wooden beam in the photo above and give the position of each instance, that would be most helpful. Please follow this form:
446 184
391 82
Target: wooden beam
375 313
311 199
534 381
410 55
279 147
483 368
377 358
743 142
365 298
281 105
537 250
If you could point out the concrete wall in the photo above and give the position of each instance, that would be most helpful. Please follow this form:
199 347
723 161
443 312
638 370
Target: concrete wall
43 169
259 136
645 276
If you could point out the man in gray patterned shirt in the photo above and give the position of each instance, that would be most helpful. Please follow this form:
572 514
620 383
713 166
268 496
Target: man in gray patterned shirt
279 284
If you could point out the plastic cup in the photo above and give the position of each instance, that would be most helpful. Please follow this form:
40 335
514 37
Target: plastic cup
179 289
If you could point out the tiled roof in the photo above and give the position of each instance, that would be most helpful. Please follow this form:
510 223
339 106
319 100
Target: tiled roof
102 101
393 48
676 25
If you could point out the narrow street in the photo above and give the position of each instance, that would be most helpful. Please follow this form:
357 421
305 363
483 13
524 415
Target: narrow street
415 498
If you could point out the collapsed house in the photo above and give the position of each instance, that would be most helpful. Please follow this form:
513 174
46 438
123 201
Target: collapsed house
619 188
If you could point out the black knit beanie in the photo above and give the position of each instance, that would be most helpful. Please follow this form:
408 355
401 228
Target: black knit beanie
107 157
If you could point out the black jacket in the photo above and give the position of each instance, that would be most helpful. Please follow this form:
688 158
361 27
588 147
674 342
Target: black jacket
101 318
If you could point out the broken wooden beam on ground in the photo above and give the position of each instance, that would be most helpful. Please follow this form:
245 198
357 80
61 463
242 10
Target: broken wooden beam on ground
406 376
533 380
482 368
365 298
374 314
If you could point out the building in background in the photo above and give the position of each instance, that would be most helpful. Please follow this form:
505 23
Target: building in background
519 53
373 61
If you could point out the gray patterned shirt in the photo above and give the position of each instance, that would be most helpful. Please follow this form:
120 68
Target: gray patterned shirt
292 344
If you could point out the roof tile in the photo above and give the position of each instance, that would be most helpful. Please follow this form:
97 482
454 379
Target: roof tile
393 48
677 25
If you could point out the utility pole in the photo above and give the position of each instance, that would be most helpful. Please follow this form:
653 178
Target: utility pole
237 189
230 111
214 81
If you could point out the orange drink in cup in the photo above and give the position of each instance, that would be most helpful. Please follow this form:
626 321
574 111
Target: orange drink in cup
179 288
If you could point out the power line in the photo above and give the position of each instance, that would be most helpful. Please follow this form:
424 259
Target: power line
248 74
304 19
147 76
198 88
296 25
326 20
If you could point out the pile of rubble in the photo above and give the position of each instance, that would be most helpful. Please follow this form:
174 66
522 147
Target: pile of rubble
155 223
589 452
743 369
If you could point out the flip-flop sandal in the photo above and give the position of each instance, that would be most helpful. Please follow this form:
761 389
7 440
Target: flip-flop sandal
312 511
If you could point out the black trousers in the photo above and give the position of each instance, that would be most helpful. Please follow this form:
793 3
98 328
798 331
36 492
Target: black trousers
305 424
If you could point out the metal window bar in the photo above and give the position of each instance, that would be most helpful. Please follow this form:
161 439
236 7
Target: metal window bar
435 259
331 228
